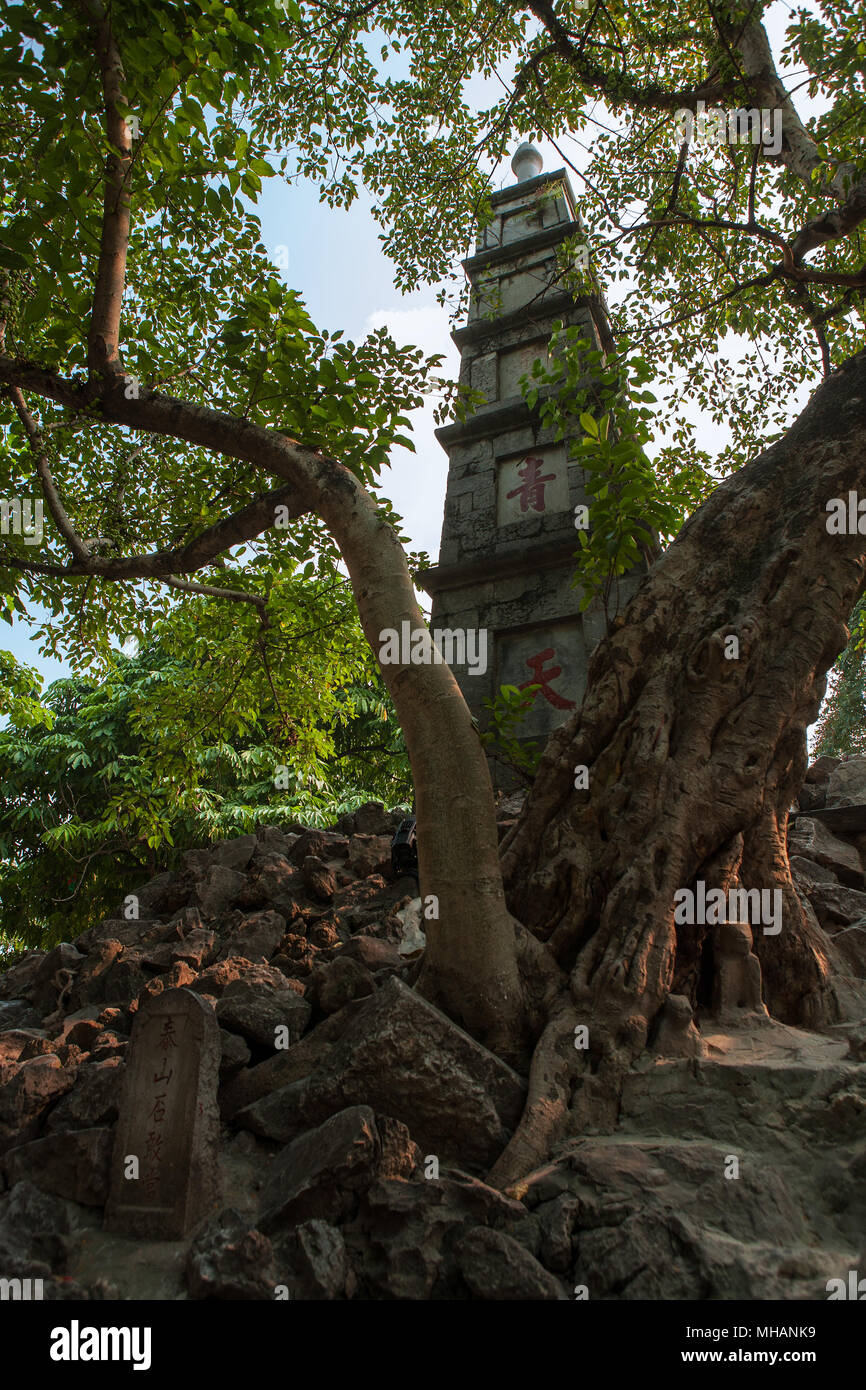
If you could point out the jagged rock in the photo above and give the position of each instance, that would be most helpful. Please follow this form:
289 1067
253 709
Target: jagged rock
256 937
179 975
401 1240
318 1174
319 881
337 982
677 1035
286 1066
373 819
236 853
71 1165
17 1013
234 1056
323 935
495 1266
34 1224
83 1033
89 987
273 879
820 770
218 976
315 1252
404 1057
218 890
17 980
834 903
811 839
810 871
110 1044
230 1259
164 894
260 1001
372 952
272 838
93 1100
197 948
557 1220
846 785
412 938
27 1095
320 844
812 796
370 854
12 1044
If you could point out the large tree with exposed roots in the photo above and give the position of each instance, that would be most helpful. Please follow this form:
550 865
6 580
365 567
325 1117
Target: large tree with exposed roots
155 366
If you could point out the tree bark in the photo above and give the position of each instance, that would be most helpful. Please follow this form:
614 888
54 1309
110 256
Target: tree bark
694 759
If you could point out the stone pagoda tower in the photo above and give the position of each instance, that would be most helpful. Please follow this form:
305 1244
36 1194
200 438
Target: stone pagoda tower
507 555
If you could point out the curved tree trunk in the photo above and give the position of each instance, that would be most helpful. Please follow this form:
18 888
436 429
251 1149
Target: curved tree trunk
471 966
695 756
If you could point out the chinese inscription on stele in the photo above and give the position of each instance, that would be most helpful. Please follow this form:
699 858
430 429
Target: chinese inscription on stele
164 1170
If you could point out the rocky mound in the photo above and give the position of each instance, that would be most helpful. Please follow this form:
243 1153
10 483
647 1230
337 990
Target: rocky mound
352 1159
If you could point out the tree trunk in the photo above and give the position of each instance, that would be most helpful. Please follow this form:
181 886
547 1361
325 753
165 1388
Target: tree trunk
694 758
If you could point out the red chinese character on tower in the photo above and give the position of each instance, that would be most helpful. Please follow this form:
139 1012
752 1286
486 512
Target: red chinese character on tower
531 490
543 678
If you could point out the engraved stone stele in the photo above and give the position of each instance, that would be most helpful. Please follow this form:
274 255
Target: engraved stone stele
168 1120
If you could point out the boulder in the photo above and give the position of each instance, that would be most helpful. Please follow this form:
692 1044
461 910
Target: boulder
370 854
835 904
319 880
230 1259
236 853
93 1099
401 1241
35 1225
286 1066
258 1003
36 1084
846 785
402 1056
73 1165
17 1013
315 1253
820 770
164 894
218 890
810 870
319 1174
335 983
255 937
497 1267
321 844
373 819
813 840
234 1055
12 1044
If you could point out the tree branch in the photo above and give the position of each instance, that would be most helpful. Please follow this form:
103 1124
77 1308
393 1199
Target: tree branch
52 496
103 353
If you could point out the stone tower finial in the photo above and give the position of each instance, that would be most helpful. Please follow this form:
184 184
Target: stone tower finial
527 162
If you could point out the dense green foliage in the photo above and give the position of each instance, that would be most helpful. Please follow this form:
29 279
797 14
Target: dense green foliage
199 736
842 726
